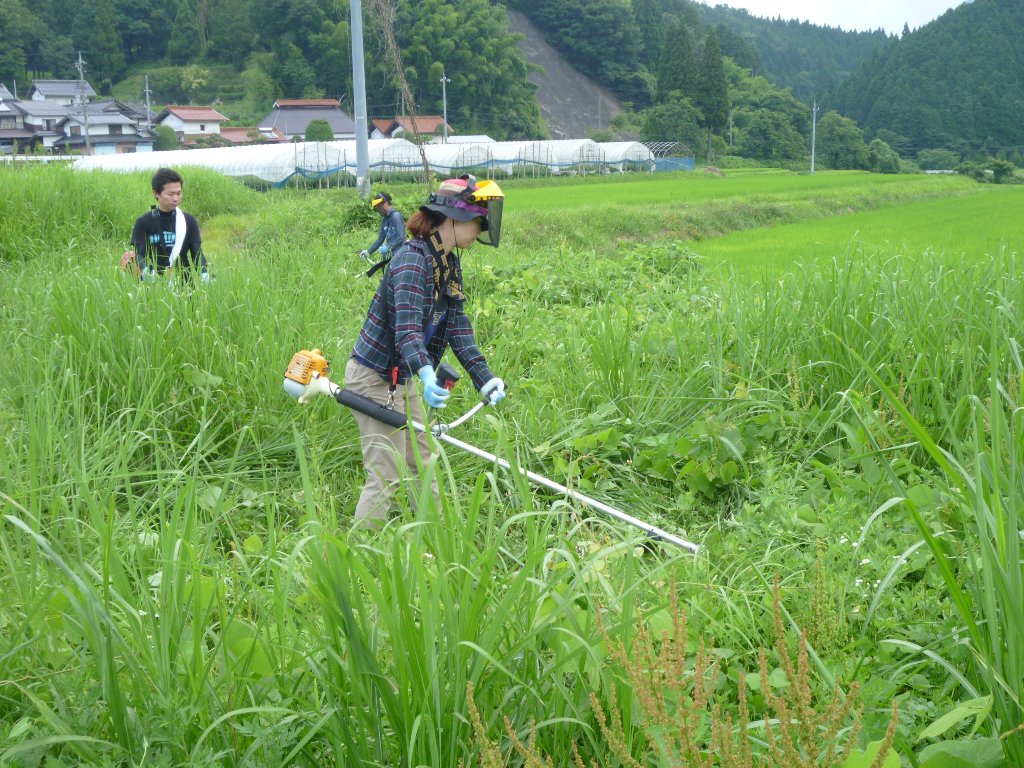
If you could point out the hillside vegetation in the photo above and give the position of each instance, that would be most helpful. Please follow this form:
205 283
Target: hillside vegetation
716 80
911 92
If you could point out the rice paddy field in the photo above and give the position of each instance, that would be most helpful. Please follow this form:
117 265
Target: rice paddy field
816 378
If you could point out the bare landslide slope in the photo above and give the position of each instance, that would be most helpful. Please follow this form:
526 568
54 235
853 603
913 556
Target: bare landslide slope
571 103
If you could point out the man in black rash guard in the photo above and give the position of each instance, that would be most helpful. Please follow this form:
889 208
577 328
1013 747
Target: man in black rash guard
166 238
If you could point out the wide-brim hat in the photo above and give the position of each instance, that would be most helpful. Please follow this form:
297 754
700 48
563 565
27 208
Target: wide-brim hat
452 199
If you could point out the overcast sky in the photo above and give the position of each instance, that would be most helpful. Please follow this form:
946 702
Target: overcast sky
890 15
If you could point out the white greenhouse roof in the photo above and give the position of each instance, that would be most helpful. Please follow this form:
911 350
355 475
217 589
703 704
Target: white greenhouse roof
448 158
625 151
617 154
276 163
556 156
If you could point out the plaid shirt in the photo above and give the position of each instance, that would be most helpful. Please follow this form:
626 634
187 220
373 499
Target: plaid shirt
400 314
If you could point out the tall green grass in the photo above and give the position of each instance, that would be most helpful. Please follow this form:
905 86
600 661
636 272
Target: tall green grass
180 582
978 552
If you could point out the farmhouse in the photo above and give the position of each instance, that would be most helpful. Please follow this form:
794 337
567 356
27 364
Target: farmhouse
188 123
109 132
34 123
428 127
291 117
65 92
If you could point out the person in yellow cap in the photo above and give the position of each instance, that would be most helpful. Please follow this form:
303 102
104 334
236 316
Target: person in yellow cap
392 229
415 315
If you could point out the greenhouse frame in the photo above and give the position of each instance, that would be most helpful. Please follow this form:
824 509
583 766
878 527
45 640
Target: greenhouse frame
390 160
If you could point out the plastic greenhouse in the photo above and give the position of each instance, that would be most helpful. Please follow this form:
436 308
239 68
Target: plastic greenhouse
453 159
626 156
272 163
392 159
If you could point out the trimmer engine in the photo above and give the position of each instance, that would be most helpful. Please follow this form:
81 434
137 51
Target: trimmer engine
305 363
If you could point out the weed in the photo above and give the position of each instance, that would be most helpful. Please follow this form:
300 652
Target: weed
686 724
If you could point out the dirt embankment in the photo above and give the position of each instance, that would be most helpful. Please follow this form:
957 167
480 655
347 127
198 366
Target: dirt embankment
571 103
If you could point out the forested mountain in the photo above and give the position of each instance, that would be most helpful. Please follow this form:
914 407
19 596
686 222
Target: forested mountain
622 42
281 48
709 77
956 83
811 60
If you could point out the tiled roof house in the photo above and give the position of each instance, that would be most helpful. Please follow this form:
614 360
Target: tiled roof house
190 122
401 127
292 116
66 92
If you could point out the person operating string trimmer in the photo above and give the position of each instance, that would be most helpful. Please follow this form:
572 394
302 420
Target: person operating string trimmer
166 239
414 316
392 229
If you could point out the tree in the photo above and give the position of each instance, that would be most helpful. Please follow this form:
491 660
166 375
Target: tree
712 98
677 68
259 88
319 130
625 125
193 78
748 95
882 158
736 48
19 26
103 42
648 16
165 138
1001 170
900 144
331 57
937 159
770 136
489 90
231 32
58 55
293 71
290 21
144 26
601 135
185 43
840 143
674 120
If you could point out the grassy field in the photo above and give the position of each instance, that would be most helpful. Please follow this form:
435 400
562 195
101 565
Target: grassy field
817 378
962 228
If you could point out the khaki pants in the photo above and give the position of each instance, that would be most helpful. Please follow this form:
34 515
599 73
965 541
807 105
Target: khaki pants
384 447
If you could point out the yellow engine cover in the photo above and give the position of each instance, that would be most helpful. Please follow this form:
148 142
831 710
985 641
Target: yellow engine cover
304 364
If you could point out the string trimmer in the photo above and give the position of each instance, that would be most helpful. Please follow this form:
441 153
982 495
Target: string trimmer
307 377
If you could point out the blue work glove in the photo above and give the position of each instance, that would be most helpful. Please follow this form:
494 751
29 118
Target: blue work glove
493 392
383 250
205 277
433 393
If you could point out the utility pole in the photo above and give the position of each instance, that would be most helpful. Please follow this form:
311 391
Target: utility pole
149 122
444 102
81 92
814 131
359 100
599 111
